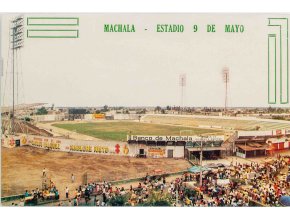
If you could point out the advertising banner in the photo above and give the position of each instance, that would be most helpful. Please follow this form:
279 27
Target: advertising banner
175 138
79 146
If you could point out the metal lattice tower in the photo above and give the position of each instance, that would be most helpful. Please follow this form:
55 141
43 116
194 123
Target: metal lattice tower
16 40
182 84
226 80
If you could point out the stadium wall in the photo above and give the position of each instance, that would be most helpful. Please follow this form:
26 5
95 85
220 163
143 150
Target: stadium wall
114 116
92 147
126 116
275 132
154 151
48 117
79 146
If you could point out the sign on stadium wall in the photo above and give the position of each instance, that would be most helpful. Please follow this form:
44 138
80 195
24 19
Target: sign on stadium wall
174 138
98 116
79 146
156 152
10 141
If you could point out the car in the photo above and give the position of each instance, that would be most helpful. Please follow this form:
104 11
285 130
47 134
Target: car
221 165
211 165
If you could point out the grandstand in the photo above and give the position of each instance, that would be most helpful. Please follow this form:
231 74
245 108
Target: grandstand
22 127
215 122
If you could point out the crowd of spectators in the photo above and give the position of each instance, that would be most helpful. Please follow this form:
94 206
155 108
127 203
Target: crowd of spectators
239 185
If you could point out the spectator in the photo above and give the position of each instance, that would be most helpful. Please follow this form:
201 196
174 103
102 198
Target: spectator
26 193
75 201
66 192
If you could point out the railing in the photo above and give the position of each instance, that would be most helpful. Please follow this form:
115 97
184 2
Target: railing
11 197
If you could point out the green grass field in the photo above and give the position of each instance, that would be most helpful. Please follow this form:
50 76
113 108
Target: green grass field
118 130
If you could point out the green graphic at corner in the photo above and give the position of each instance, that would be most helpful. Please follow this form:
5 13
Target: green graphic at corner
52 27
278 61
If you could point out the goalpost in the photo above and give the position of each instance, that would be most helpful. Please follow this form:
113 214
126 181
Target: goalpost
185 132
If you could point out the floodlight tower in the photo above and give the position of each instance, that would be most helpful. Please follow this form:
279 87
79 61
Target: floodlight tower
226 80
17 39
182 84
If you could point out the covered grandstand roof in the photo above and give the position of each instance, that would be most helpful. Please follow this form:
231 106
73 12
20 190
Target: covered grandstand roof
253 147
251 140
206 148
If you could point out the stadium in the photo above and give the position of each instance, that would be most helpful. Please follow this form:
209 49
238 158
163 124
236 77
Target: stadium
130 149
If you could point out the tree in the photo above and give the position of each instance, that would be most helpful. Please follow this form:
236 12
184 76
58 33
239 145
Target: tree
105 109
119 200
27 119
41 111
190 192
142 111
158 108
271 110
157 199
161 202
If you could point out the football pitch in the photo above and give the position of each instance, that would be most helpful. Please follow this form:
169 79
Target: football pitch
119 130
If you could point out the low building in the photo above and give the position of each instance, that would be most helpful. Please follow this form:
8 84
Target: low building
156 146
176 146
261 143
76 113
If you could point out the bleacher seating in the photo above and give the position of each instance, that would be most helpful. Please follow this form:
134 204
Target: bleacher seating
232 124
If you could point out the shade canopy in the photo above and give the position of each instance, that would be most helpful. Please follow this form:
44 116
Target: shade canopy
285 200
197 169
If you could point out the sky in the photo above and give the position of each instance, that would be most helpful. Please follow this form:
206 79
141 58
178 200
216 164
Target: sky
143 68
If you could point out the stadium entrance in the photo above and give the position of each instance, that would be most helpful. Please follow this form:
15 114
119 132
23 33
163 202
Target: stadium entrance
141 152
170 153
206 155
211 148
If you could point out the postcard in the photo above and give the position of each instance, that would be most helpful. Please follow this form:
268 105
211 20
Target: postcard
145 109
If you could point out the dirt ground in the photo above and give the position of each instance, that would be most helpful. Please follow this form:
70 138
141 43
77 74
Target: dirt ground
22 168
59 132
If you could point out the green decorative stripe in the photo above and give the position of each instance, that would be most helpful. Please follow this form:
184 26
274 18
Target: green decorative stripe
52 33
284 55
55 21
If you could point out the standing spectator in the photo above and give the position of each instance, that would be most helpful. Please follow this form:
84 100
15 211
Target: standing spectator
72 178
21 204
98 203
66 192
56 194
26 194
37 192
75 201
44 172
